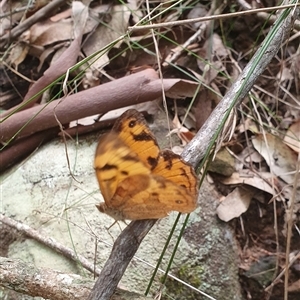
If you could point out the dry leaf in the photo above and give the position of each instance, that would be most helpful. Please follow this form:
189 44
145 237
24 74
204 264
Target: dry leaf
18 54
235 203
214 51
183 133
137 13
292 137
56 29
279 157
294 287
48 32
107 33
205 102
197 11
247 177
285 74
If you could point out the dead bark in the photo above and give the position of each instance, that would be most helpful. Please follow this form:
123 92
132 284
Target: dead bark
25 278
136 88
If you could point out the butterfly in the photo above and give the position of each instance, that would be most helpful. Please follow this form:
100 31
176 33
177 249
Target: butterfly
137 180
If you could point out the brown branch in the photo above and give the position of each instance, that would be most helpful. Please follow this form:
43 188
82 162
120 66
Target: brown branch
136 88
41 14
27 279
95 100
210 18
123 251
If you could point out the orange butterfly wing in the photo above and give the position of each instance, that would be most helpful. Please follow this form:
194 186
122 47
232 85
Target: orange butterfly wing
137 180
133 130
114 162
172 167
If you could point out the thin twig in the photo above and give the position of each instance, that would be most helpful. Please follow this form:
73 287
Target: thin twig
277 279
16 10
214 17
289 218
50 242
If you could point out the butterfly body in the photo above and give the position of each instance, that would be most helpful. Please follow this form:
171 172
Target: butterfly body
137 180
